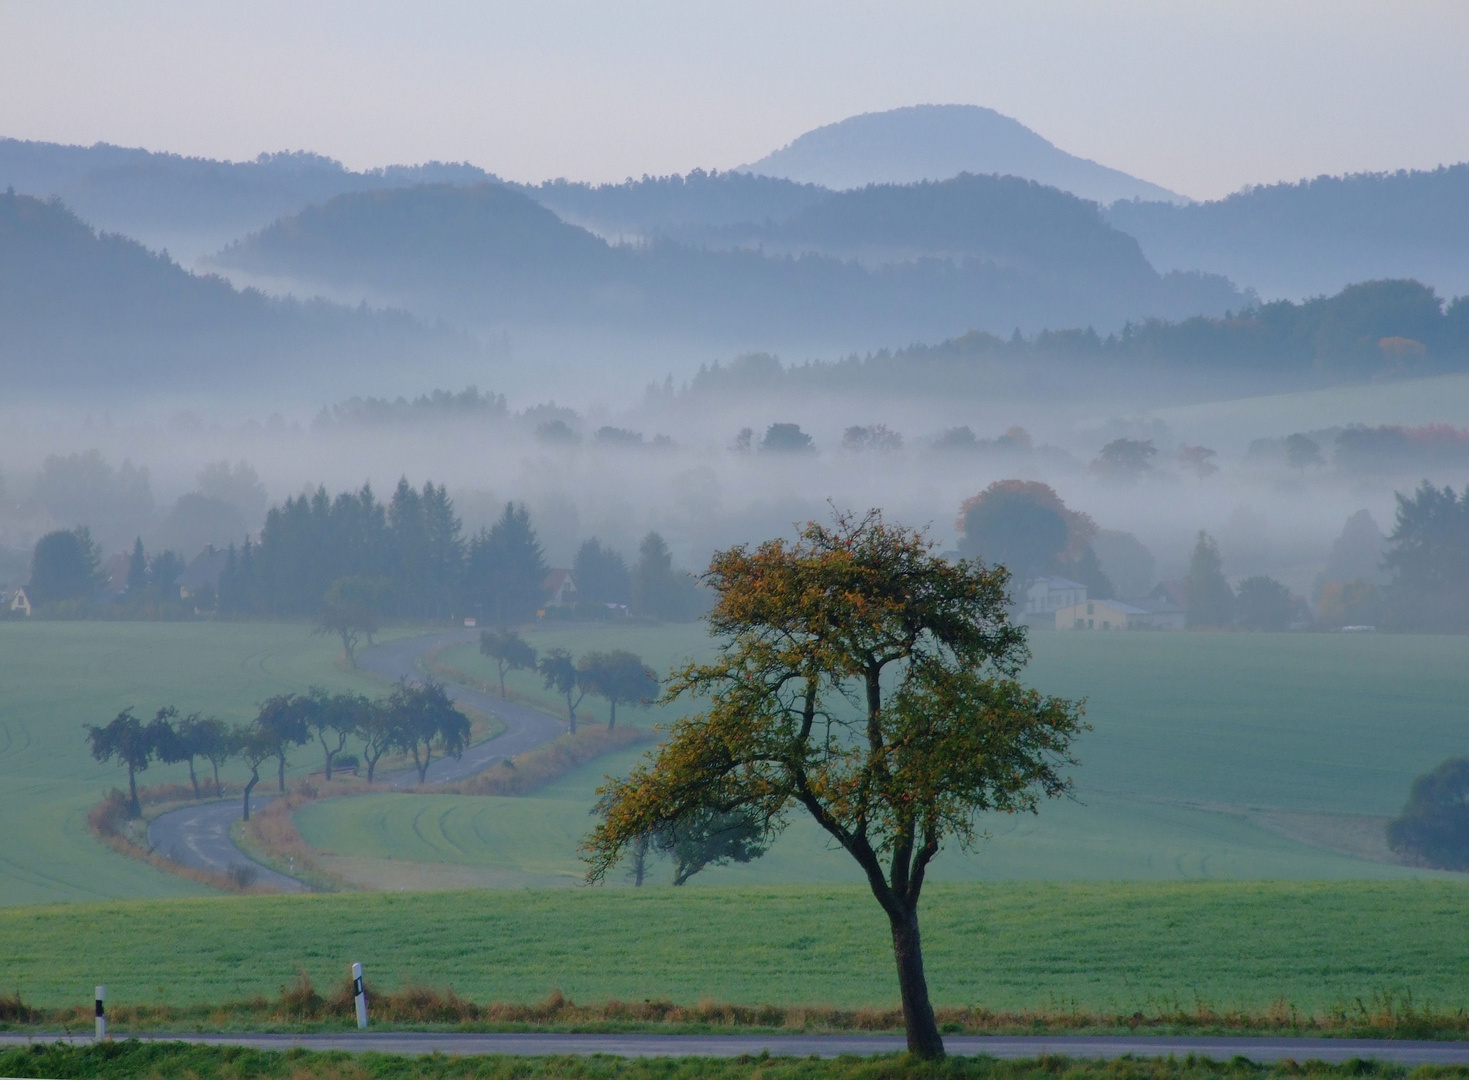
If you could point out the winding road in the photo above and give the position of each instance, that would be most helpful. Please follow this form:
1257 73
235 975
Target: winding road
1258 1049
199 836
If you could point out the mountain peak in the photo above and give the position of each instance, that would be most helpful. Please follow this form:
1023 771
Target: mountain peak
937 142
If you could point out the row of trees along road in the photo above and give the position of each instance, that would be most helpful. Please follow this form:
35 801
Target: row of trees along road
617 676
418 720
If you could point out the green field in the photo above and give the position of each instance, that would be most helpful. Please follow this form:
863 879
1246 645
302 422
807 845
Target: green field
1212 755
56 677
1102 946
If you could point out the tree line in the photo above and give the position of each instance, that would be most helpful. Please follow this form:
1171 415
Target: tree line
407 557
617 676
417 720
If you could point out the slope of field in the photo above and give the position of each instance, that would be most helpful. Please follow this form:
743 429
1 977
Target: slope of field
1112 947
1206 748
59 677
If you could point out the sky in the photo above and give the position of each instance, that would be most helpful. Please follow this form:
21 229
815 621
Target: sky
1202 98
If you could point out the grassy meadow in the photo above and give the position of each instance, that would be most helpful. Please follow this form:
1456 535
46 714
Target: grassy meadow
1092 946
1246 756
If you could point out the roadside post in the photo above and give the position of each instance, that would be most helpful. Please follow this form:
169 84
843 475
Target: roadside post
101 1012
357 990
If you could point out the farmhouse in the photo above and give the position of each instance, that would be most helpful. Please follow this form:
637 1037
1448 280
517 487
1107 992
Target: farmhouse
1142 613
1047 595
19 602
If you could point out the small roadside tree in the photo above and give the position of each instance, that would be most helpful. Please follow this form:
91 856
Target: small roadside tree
378 730
508 650
617 676
559 673
426 720
333 719
212 741
130 741
253 745
172 744
284 721
867 614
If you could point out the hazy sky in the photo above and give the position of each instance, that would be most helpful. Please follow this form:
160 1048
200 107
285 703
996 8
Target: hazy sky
1199 97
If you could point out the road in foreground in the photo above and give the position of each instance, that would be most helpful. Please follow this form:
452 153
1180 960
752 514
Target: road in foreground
199 836
1263 1050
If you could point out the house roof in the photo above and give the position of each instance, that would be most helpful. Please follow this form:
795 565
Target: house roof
1058 583
1156 605
556 578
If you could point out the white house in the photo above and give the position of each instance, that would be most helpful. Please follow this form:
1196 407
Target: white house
20 602
1045 596
1099 615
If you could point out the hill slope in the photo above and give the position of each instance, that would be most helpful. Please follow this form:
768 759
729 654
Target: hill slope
82 309
492 257
194 204
936 142
1315 236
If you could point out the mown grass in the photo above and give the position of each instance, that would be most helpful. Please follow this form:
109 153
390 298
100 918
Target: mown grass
167 1060
1104 948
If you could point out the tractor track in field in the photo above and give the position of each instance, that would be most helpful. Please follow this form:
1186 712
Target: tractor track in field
198 836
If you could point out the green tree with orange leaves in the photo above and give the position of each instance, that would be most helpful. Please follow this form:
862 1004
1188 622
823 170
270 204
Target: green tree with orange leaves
867 681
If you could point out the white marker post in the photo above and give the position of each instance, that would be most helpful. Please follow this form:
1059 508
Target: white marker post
359 992
101 1012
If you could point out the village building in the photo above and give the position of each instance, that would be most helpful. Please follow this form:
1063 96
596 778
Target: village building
19 603
1047 595
203 573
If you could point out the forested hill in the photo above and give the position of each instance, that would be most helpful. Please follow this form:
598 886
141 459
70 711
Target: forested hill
85 311
1314 237
161 198
491 256
1367 331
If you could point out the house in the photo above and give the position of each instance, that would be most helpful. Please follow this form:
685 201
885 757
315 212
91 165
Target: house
560 589
20 602
115 574
1163 607
203 573
1151 612
1047 595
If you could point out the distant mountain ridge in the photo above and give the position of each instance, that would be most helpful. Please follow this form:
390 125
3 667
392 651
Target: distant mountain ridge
100 313
491 257
1316 236
166 199
937 142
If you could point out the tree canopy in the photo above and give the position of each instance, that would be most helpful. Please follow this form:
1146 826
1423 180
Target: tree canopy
865 680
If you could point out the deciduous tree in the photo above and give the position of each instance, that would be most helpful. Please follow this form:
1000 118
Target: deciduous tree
864 614
508 650
617 677
559 673
284 722
130 741
425 720
351 609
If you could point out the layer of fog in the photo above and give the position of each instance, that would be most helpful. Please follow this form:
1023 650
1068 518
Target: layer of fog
671 463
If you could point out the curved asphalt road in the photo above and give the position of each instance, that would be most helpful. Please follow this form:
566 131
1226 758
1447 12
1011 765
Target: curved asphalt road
1263 1050
199 836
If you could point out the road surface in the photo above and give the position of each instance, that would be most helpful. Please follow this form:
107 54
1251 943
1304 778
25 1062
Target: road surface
1263 1050
199 836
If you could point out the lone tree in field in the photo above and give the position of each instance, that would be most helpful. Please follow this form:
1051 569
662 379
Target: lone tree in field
871 683
618 676
350 609
508 650
129 740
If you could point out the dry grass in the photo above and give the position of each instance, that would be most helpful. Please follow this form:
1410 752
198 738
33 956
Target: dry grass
550 761
301 1004
110 820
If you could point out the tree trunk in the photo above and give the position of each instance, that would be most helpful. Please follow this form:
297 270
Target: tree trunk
133 806
193 779
924 1040
218 791
254 779
612 719
281 774
571 712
